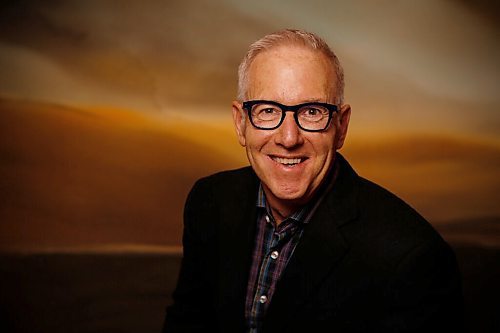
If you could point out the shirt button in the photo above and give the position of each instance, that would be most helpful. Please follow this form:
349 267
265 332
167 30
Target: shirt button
263 299
267 218
275 254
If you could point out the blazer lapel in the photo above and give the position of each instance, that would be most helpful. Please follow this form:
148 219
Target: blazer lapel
318 252
237 231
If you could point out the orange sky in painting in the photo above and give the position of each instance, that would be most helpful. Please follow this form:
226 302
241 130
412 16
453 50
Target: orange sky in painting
77 177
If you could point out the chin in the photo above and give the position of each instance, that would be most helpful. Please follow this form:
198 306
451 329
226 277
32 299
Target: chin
288 193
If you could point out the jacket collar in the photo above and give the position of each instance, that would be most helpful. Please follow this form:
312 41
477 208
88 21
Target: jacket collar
319 250
237 223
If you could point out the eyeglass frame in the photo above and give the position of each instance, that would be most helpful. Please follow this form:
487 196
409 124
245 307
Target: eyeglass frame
248 105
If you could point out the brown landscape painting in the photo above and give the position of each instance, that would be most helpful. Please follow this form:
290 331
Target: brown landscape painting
110 111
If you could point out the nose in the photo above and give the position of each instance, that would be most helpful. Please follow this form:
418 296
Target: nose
289 134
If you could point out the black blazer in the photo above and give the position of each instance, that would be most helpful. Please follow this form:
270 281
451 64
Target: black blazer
367 262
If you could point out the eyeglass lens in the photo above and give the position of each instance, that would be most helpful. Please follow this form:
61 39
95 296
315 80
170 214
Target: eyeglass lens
309 117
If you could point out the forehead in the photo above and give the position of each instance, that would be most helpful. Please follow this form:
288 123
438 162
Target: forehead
291 74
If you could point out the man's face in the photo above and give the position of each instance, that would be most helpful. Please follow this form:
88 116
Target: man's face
291 75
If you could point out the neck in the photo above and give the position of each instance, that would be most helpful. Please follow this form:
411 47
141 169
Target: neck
280 215
281 209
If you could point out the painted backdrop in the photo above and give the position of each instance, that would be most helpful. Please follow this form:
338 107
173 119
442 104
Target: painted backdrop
110 110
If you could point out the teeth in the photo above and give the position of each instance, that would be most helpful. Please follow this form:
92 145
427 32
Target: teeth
287 161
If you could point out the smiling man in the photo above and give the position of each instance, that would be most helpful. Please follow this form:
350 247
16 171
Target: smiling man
291 154
298 241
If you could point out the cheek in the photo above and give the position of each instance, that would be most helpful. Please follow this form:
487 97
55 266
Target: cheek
324 156
256 140
322 145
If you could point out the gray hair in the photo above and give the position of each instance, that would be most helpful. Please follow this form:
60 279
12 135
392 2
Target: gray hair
287 37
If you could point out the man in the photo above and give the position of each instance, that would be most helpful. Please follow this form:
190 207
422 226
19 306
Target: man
299 242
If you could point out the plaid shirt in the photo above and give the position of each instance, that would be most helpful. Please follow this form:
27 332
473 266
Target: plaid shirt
274 246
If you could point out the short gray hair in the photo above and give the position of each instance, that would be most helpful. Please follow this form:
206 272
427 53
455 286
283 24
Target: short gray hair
289 37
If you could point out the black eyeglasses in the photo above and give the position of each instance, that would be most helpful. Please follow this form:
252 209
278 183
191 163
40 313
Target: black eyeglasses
269 115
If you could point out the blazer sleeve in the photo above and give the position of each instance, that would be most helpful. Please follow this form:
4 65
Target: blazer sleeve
192 309
426 293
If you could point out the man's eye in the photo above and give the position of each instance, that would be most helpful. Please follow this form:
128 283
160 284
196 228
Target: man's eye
268 110
312 112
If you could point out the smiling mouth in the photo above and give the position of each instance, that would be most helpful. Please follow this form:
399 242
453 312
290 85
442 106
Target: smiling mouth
289 162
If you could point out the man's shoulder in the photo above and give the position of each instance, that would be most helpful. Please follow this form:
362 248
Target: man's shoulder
230 178
221 193
228 183
376 195
388 226
370 198
384 220
377 201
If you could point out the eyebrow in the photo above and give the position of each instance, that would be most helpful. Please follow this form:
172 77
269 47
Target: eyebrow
313 100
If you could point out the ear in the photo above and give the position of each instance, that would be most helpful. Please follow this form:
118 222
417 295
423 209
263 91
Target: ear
239 122
344 116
